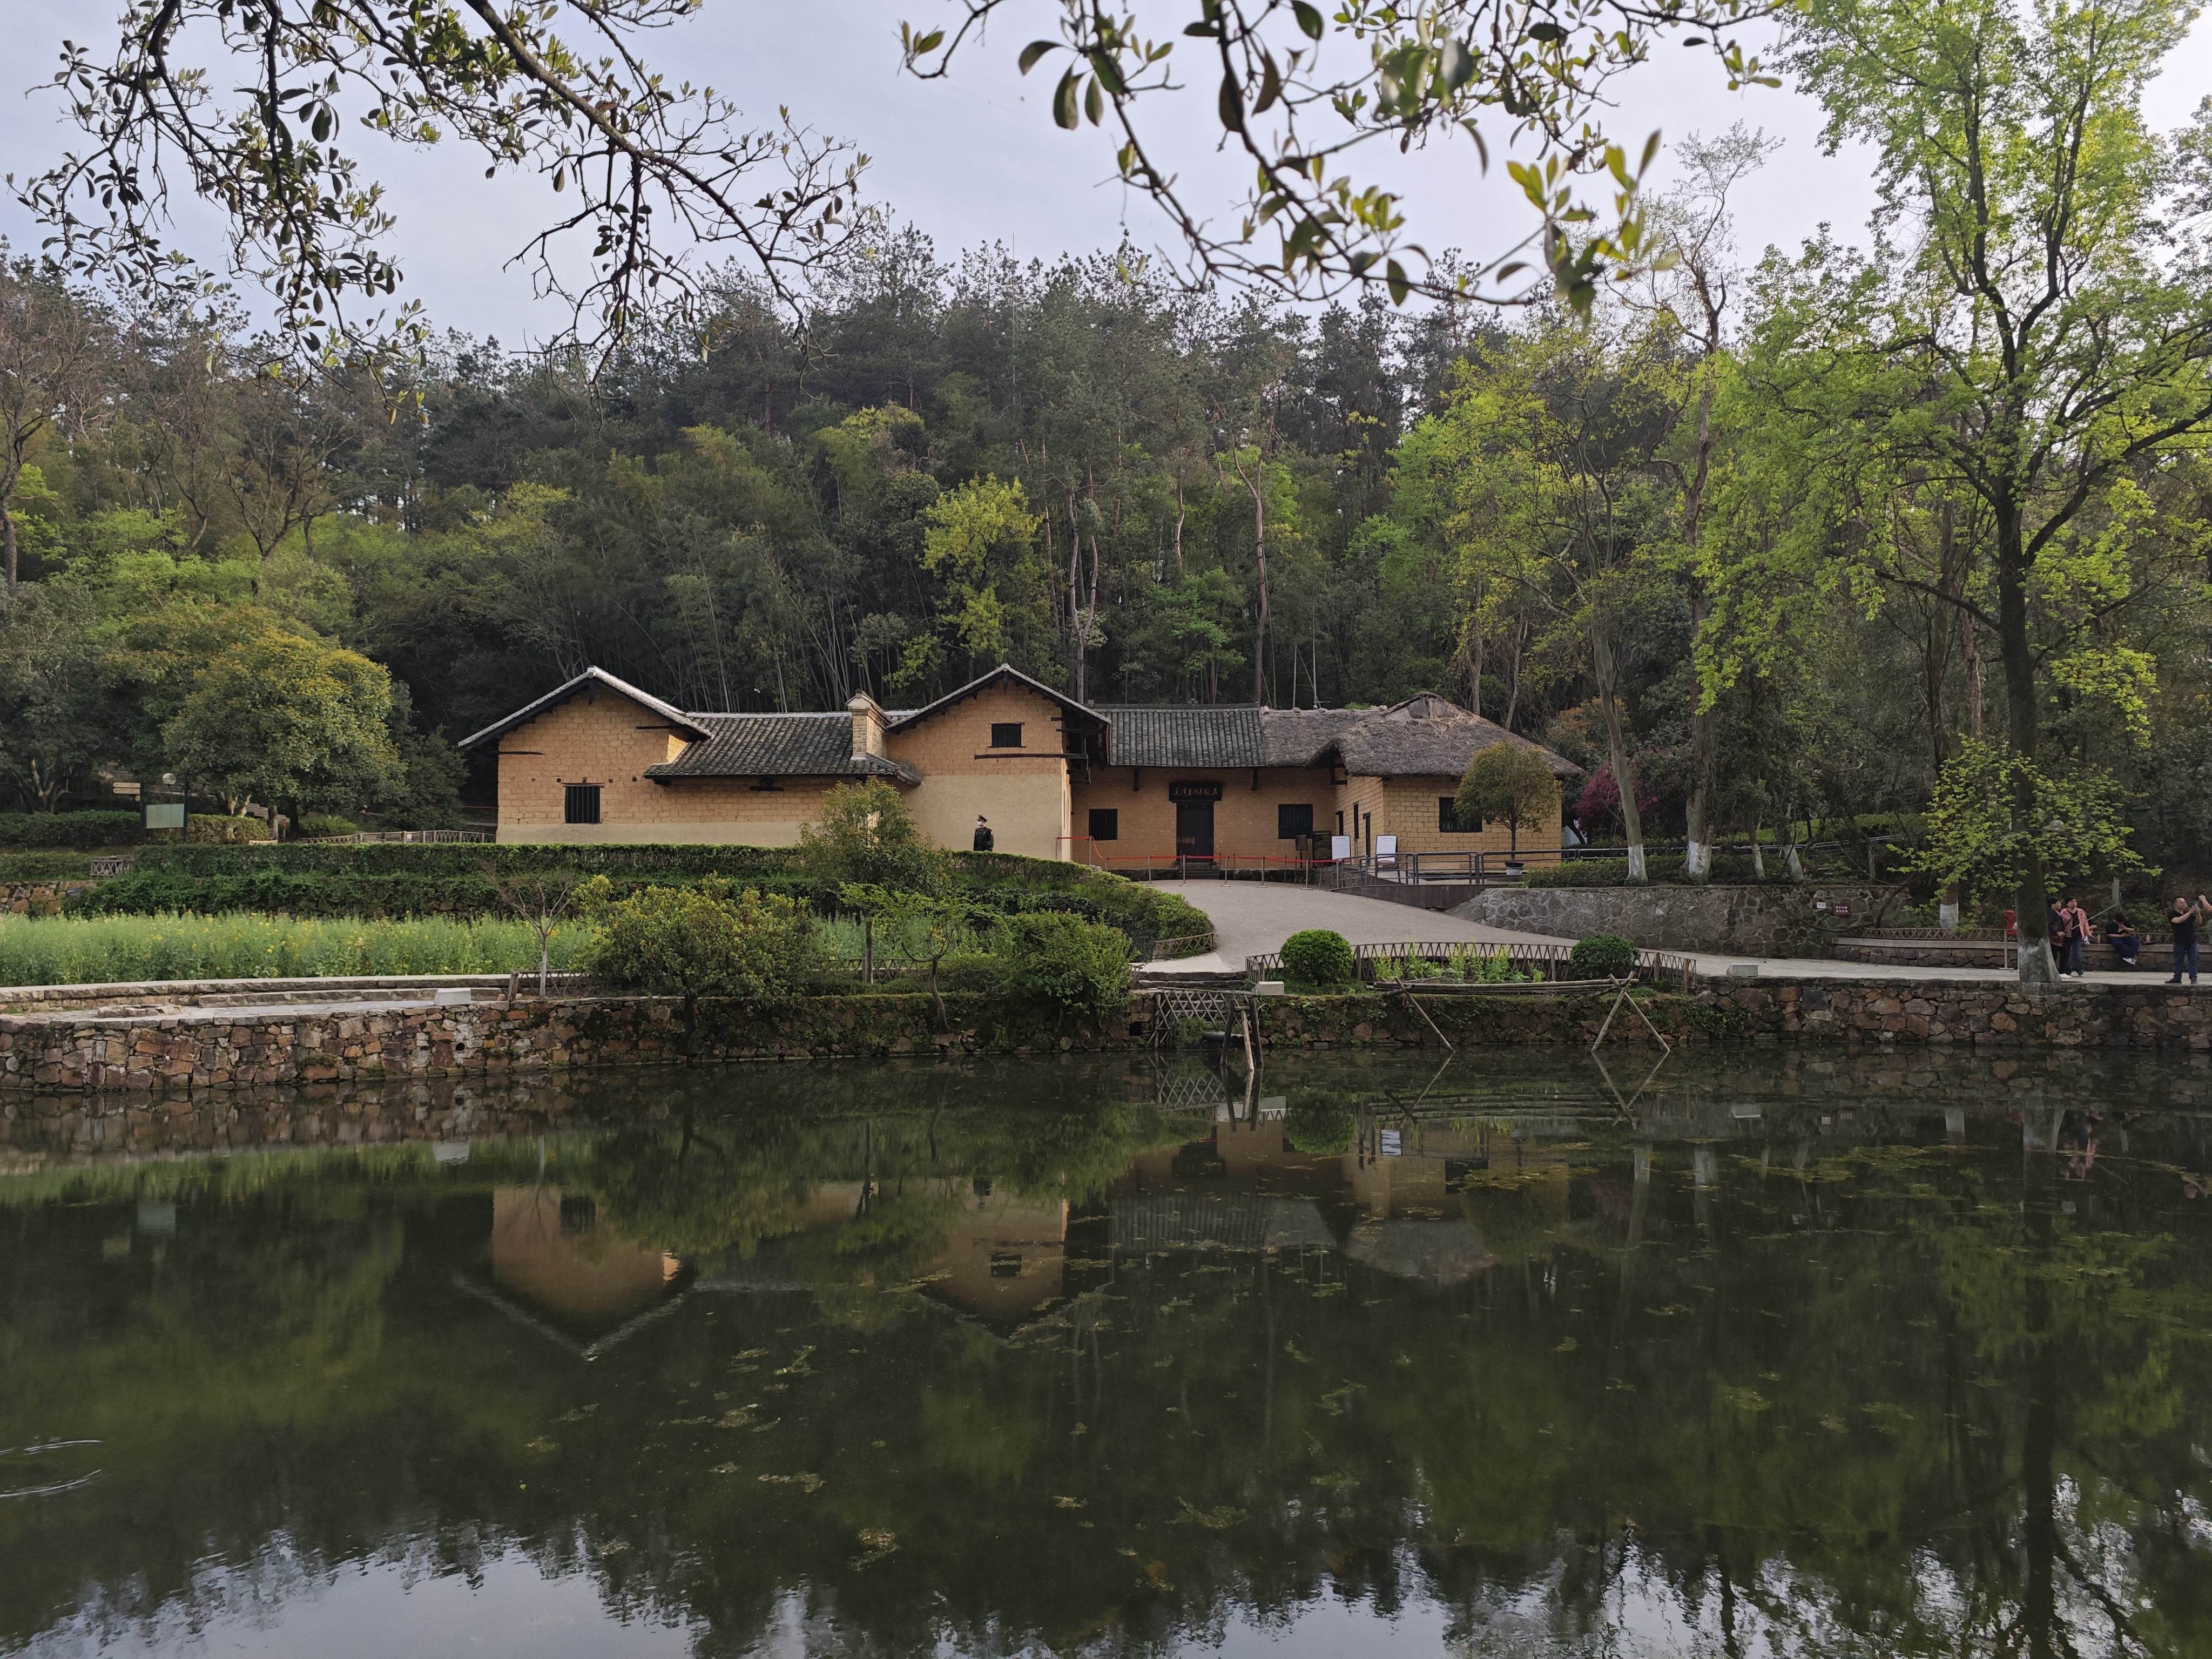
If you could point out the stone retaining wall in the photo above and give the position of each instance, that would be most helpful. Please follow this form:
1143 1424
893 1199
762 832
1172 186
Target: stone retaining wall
39 898
182 1054
1776 920
177 1053
1823 1010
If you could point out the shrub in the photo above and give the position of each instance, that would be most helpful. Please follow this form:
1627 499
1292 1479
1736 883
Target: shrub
867 833
696 942
1602 956
1477 966
211 829
1050 957
1319 1129
1317 956
82 831
321 826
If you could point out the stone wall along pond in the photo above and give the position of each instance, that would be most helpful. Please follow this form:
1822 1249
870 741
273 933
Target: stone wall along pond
179 1054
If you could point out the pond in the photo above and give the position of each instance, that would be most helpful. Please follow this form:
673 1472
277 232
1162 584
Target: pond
1777 1353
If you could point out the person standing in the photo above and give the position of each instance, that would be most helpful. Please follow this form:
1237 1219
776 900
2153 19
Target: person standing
2184 923
2058 923
985 841
2079 930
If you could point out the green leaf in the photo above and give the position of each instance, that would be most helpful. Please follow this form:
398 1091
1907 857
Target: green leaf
1094 102
1035 49
1232 104
1395 278
1548 33
1271 86
1308 19
929 42
1455 64
1063 102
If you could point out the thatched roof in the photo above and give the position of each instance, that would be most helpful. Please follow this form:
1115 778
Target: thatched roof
1427 737
1423 736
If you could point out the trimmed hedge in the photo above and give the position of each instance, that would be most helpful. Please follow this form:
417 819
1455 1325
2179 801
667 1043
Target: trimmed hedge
395 879
45 867
81 830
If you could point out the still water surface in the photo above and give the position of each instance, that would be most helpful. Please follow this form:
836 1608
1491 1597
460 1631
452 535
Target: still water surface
1793 1356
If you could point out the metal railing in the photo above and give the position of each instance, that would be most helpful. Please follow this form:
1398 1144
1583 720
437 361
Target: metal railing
424 836
1546 962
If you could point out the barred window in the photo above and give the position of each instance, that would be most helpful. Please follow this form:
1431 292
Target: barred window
582 805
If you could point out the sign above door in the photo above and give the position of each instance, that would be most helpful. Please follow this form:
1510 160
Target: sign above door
1195 790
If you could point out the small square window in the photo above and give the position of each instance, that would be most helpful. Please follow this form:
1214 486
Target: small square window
1105 824
1292 821
1006 736
582 805
1448 822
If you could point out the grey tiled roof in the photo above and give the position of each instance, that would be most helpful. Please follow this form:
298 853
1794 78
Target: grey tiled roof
1184 737
779 746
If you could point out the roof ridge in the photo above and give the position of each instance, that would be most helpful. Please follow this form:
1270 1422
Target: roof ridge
567 689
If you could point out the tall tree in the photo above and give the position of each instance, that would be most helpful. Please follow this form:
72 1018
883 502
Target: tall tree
2018 332
50 362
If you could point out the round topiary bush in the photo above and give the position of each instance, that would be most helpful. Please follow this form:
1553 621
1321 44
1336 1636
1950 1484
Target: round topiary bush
1317 956
1602 956
1321 1130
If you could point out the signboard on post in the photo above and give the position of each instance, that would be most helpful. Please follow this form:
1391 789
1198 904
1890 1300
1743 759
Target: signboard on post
163 815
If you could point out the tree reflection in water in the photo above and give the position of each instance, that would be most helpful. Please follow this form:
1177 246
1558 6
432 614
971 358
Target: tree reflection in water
1806 1356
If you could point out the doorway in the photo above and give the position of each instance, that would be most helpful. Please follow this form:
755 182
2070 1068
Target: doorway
1194 829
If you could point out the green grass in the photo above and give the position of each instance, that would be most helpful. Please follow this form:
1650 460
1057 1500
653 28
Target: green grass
97 949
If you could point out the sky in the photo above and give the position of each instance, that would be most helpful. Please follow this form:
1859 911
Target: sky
976 160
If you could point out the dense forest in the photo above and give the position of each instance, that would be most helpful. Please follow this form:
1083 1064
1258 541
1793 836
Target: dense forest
1802 538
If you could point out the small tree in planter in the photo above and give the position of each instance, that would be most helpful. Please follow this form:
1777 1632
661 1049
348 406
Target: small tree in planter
1509 785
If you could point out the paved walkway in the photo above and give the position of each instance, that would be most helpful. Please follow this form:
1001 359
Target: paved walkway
1251 918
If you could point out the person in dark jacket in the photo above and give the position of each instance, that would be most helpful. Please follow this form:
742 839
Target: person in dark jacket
2126 942
2184 923
985 841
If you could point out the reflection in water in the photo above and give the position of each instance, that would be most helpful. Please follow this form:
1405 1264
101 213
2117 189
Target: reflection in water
1843 1356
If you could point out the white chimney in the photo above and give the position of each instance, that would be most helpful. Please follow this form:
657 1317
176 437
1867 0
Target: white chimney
867 727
